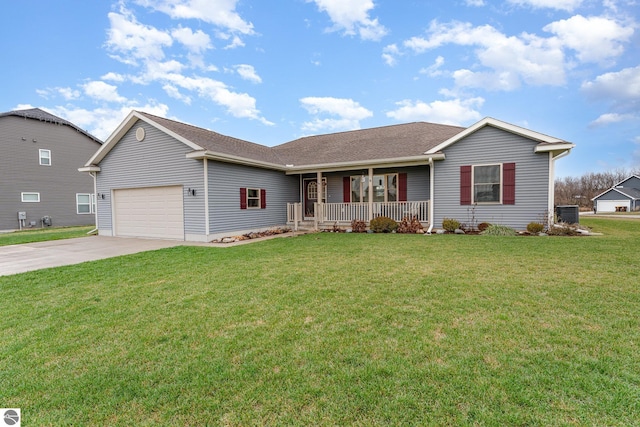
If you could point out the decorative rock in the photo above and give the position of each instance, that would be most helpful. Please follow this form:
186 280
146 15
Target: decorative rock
420 231
228 240
459 231
440 231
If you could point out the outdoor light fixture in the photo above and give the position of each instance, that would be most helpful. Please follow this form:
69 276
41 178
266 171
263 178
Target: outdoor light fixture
191 191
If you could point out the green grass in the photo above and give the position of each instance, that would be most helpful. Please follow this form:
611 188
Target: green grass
42 234
334 329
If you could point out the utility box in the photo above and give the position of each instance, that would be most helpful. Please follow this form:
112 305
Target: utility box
47 220
568 213
22 215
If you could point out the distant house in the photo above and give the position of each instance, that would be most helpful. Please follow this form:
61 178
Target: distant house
622 197
39 157
165 179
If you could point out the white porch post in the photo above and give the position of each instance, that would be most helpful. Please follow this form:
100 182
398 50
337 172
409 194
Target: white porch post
207 229
370 190
431 190
319 211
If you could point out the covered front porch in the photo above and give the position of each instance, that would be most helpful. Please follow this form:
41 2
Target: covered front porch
329 214
338 197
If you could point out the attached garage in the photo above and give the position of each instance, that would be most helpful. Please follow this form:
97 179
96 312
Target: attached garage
153 212
611 205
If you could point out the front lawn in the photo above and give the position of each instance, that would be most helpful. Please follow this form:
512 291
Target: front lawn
42 234
333 329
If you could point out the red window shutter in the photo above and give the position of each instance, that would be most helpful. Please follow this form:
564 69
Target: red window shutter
509 184
346 189
465 185
243 198
402 187
263 198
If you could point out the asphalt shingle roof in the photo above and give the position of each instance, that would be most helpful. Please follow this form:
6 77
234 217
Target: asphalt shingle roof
43 116
217 142
387 142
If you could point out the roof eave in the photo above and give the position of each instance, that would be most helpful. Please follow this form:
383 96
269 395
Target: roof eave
360 164
228 158
91 168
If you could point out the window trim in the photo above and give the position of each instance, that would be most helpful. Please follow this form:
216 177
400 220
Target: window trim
473 184
22 194
364 190
256 198
92 203
48 157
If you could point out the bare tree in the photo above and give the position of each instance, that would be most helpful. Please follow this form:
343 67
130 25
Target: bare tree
580 191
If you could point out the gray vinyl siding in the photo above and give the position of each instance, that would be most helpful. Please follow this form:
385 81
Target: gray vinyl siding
613 195
417 182
490 146
225 181
158 160
57 183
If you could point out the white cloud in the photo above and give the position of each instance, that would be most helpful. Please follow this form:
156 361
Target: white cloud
434 69
175 93
568 5
352 17
349 113
221 13
390 54
621 86
610 118
510 60
196 42
102 91
113 77
247 72
452 112
596 39
135 41
474 3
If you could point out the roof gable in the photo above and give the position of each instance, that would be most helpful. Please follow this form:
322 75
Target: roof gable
631 192
43 116
546 142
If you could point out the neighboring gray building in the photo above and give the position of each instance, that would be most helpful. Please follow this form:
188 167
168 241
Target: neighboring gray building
39 157
622 197
165 179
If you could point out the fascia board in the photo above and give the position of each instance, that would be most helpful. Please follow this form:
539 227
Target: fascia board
92 168
360 164
490 121
228 158
562 146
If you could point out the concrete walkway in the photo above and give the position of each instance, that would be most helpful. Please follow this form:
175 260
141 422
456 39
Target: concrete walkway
34 256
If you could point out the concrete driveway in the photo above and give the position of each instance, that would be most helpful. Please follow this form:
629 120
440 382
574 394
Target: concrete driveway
34 256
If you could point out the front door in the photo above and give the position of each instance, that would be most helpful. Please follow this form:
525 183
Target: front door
310 189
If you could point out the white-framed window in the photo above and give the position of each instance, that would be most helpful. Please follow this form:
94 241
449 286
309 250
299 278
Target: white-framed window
30 197
487 183
312 190
45 157
253 198
385 188
85 203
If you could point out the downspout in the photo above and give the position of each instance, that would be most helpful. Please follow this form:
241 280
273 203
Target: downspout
552 174
431 189
207 230
370 192
95 195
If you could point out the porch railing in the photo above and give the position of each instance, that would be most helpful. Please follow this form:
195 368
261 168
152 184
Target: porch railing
347 212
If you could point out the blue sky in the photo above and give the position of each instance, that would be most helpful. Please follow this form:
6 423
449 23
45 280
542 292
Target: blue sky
272 71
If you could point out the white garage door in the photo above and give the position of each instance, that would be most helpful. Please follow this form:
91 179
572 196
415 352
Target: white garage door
610 205
154 212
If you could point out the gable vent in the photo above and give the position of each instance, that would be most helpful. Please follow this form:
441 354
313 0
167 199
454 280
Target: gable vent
140 134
